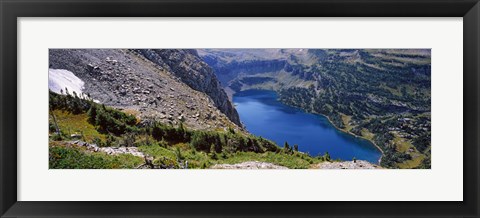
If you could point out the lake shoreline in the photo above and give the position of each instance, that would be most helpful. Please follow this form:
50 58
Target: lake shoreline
374 161
345 131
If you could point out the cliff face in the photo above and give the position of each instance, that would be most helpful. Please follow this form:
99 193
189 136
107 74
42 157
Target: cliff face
172 86
190 68
227 72
273 69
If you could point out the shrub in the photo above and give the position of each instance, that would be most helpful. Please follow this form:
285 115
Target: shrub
178 154
74 158
57 137
326 157
109 120
98 142
110 140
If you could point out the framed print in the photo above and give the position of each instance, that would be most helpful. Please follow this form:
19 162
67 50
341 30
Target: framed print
311 108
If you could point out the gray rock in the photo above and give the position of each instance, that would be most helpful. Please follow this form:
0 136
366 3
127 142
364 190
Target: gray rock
75 136
358 164
250 165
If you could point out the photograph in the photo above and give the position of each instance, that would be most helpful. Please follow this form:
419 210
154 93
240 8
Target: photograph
239 108
268 108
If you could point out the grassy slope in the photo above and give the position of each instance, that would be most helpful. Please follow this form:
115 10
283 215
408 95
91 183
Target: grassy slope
69 157
76 124
65 157
198 159
402 145
170 153
296 161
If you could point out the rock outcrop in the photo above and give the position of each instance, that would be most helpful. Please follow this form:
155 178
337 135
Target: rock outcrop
108 150
249 165
359 164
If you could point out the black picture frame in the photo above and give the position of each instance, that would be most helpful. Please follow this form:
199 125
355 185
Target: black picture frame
10 10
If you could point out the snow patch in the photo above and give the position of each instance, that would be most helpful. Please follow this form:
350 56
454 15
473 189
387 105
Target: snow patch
60 79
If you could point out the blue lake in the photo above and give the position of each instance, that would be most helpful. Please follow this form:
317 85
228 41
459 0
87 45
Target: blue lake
263 115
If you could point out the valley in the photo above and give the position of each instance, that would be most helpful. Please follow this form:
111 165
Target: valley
186 108
379 95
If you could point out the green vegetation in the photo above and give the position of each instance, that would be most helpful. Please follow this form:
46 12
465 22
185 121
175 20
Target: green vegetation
74 124
381 95
112 121
167 146
63 157
298 161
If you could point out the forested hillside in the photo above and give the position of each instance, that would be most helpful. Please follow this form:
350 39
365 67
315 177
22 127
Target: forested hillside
381 95
87 135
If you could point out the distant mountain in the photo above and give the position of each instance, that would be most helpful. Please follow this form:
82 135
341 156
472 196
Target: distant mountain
382 95
232 65
171 86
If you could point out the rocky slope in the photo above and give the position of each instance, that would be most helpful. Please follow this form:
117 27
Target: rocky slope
189 67
182 89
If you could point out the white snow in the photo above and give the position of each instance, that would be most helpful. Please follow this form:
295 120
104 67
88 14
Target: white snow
59 79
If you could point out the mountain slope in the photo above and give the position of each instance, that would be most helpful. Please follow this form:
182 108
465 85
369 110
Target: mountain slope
189 67
127 79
